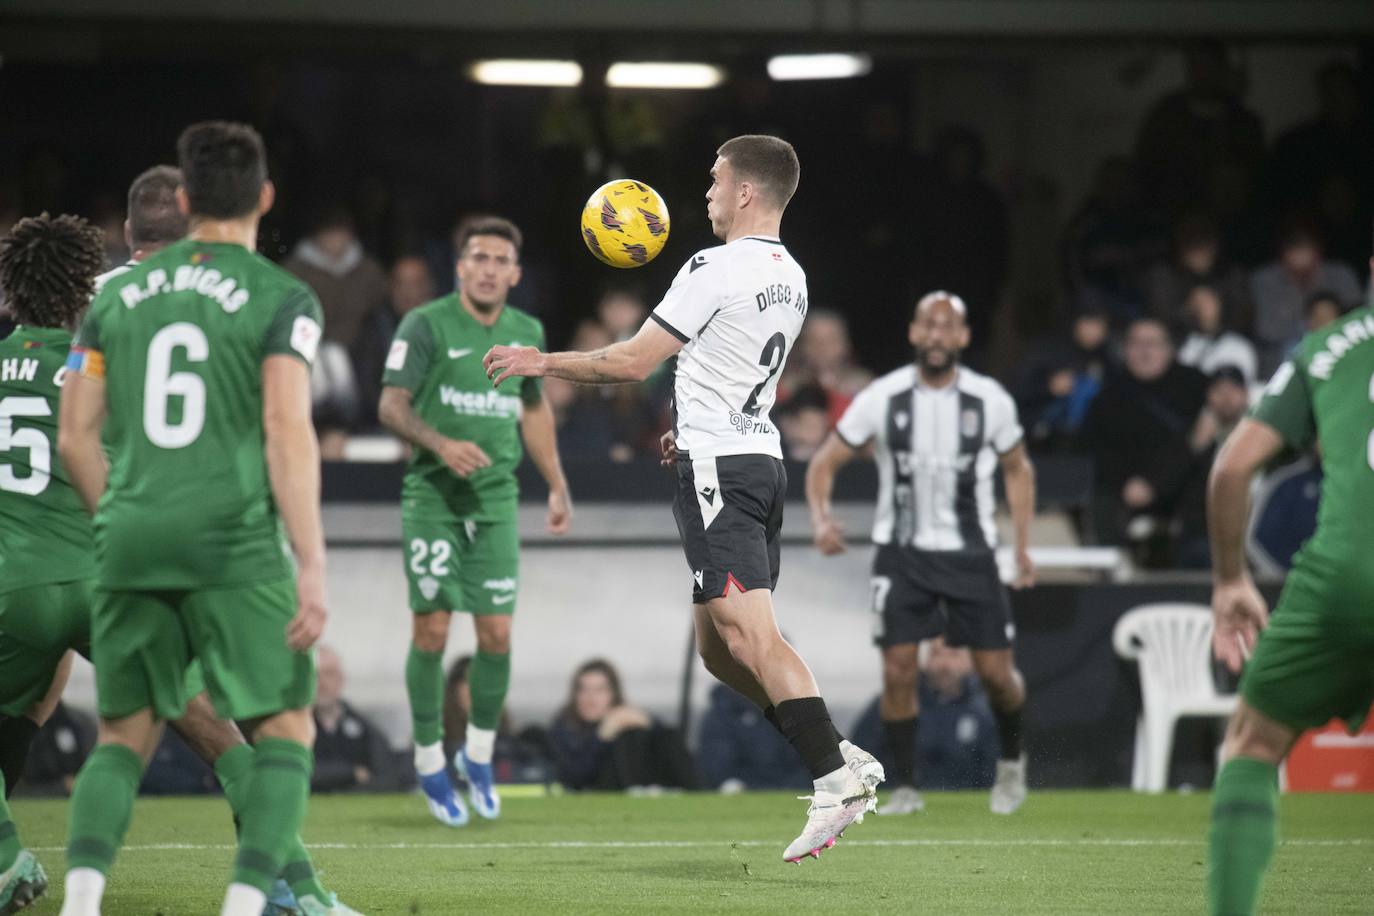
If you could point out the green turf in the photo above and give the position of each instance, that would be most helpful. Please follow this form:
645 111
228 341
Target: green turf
1065 852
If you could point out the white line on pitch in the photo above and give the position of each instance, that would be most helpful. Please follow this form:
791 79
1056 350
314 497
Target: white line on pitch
708 844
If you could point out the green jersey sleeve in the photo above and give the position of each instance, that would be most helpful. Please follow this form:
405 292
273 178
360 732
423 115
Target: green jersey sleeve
296 328
411 355
1286 405
532 389
87 336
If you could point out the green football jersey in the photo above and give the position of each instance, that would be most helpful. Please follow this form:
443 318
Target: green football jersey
437 356
45 533
1324 394
182 338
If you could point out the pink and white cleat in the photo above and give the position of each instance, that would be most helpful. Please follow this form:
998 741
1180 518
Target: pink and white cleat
827 818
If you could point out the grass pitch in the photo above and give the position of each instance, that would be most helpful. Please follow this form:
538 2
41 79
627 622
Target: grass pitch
1064 852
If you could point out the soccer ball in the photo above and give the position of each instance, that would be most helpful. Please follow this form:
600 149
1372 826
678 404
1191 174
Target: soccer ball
625 223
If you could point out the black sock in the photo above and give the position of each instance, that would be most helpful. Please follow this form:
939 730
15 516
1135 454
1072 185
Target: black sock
901 744
770 713
16 734
806 724
1009 730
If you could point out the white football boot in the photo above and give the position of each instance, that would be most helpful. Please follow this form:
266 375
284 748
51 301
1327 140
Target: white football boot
830 813
903 800
1009 791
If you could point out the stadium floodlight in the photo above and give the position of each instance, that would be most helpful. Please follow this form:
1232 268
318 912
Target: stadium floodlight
654 75
819 66
526 72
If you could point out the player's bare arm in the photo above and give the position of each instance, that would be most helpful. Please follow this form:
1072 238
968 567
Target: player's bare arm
541 442
628 361
827 533
1019 475
1238 609
80 419
293 466
398 415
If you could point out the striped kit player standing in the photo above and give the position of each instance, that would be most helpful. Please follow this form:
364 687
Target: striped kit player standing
734 312
940 432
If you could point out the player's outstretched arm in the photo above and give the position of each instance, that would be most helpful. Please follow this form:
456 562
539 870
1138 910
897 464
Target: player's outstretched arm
833 454
1019 475
1237 607
79 420
628 361
293 467
398 415
538 430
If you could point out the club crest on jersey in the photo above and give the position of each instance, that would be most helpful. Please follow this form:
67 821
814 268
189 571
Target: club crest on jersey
969 424
901 419
429 587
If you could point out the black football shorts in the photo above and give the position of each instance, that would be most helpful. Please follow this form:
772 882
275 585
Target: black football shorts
729 516
919 594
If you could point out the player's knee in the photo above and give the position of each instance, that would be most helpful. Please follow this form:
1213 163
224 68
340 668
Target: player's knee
290 725
1251 735
494 640
430 632
900 670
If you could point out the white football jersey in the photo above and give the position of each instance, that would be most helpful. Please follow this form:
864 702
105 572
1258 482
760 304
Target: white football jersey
937 450
113 272
738 308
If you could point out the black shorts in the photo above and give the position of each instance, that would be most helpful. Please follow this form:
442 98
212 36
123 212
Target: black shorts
729 516
918 594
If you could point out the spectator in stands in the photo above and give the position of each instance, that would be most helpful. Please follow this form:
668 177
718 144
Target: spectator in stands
1228 398
1209 346
58 751
1200 136
601 421
1281 288
958 745
823 358
515 758
621 312
804 422
1109 243
1197 260
1324 163
740 750
1321 309
411 285
1060 380
1141 432
351 753
600 741
350 286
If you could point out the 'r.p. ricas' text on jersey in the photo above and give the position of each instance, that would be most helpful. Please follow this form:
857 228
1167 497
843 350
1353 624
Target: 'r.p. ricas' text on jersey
205 280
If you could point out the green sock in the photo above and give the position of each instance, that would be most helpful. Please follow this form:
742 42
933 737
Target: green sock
489 681
425 685
277 796
9 834
1243 835
102 803
234 767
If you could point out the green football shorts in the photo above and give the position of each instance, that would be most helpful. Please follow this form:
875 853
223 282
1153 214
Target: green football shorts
458 565
1315 660
37 626
144 641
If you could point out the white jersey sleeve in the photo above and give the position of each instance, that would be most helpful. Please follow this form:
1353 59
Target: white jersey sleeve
697 293
863 419
1004 427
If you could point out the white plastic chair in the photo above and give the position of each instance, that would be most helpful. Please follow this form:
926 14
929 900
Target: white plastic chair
1172 643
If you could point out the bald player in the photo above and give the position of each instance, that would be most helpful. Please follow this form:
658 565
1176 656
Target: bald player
940 432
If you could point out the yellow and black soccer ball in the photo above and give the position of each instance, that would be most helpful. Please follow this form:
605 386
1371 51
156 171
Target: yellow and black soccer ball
625 223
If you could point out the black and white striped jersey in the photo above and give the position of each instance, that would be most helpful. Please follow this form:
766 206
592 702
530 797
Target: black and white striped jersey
738 308
937 451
